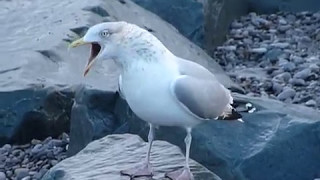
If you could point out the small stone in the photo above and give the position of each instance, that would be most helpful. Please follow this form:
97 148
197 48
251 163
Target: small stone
7 147
314 68
26 178
9 173
258 50
276 87
227 48
32 173
297 59
273 55
283 22
2 176
35 141
286 93
47 140
285 77
21 173
40 174
284 28
304 74
39 163
286 65
311 103
53 162
280 45
297 82
65 137
47 166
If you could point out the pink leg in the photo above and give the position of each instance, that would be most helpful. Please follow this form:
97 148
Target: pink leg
184 173
145 169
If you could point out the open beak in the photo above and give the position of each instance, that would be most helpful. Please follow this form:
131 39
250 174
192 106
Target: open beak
95 49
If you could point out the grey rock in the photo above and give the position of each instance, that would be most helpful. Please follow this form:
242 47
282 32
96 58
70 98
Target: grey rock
284 77
127 148
187 16
2 176
286 65
314 68
280 45
258 50
270 126
35 141
40 174
36 80
26 178
273 55
9 173
21 173
311 103
303 74
276 87
297 82
286 93
284 28
36 149
53 162
297 59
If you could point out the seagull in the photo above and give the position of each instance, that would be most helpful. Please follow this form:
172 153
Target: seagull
160 88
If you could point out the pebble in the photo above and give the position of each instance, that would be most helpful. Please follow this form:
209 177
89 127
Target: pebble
286 94
276 87
21 173
304 74
285 45
311 103
258 50
20 162
2 176
297 82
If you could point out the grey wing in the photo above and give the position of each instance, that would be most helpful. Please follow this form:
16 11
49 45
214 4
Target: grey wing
200 93
120 86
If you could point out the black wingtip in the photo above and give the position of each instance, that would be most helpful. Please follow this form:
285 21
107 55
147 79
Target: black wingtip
234 115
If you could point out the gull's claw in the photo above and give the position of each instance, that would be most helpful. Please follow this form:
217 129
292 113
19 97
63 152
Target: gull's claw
180 174
144 170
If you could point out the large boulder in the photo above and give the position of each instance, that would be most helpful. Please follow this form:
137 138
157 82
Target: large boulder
276 142
39 77
186 15
104 158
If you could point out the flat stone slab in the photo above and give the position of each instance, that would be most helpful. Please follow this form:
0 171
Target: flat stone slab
104 158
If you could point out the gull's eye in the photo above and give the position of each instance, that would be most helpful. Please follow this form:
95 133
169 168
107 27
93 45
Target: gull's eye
105 33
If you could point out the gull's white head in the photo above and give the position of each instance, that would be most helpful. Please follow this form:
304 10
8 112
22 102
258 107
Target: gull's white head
120 41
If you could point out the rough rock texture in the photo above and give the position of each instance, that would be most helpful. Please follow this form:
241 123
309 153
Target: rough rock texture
186 15
276 56
218 16
104 158
272 6
38 74
32 160
276 142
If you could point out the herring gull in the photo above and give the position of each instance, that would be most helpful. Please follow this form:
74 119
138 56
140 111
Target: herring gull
160 88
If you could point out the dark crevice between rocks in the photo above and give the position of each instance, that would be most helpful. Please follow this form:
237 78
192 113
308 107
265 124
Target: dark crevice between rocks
97 10
80 31
122 1
50 55
52 118
148 29
9 70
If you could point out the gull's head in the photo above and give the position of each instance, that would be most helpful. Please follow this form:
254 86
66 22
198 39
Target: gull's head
113 40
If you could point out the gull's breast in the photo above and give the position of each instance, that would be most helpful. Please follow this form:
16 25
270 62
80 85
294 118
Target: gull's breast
147 91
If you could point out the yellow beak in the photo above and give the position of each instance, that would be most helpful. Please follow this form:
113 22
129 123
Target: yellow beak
77 43
80 42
